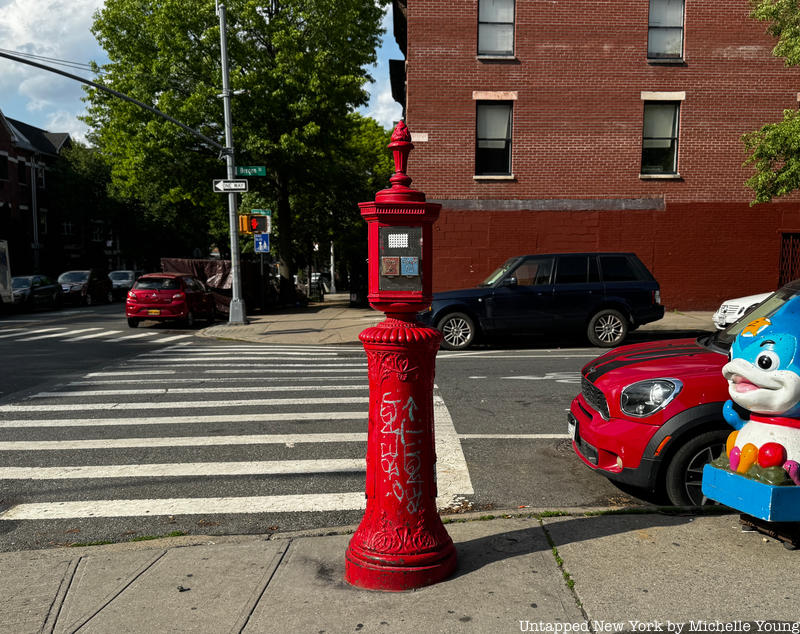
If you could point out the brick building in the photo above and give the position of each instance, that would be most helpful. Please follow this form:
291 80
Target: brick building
27 157
574 125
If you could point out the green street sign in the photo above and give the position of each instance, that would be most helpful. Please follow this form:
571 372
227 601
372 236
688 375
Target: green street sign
263 212
251 170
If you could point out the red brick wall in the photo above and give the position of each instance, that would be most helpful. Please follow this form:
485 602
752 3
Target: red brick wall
699 252
579 69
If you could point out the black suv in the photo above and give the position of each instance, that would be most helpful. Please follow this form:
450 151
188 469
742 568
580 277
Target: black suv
604 295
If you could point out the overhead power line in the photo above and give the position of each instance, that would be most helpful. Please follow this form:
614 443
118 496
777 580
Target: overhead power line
116 93
52 60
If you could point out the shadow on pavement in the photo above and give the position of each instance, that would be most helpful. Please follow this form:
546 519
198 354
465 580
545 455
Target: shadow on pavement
477 553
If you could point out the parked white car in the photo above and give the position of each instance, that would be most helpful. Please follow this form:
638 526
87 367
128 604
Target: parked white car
732 309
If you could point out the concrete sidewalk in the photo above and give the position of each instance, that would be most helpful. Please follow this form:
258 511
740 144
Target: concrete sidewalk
333 321
578 573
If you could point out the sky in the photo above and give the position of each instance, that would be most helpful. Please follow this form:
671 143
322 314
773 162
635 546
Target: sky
59 29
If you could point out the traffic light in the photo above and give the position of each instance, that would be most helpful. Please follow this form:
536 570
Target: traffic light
258 223
244 225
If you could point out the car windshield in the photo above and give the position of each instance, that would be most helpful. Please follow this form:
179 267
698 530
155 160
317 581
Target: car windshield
723 339
21 282
156 284
73 276
500 272
120 276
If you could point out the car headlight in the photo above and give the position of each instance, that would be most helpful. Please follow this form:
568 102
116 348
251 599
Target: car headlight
647 397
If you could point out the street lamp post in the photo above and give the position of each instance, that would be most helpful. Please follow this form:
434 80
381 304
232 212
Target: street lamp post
237 308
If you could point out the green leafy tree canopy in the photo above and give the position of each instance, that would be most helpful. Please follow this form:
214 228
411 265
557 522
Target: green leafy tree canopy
299 66
774 150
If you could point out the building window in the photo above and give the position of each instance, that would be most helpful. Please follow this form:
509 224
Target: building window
67 229
3 168
493 143
665 30
495 27
22 173
660 137
98 231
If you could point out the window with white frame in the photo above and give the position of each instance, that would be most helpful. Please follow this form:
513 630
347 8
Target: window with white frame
660 137
495 27
493 138
665 30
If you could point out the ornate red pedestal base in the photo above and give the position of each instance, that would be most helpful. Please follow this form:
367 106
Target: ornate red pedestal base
401 543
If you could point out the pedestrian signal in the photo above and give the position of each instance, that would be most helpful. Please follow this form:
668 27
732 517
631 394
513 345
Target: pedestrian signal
258 223
244 224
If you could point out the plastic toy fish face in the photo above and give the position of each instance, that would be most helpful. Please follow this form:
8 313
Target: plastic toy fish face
763 376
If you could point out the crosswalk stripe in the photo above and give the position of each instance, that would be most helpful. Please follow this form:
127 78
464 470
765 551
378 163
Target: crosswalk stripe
128 373
30 332
181 441
185 469
201 390
191 352
154 359
184 420
313 502
266 363
189 405
219 379
95 335
56 334
452 475
282 370
200 348
174 338
138 335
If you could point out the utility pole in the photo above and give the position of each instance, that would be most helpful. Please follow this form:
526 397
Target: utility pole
34 204
333 269
237 311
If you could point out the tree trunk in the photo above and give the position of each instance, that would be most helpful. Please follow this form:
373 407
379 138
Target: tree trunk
288 294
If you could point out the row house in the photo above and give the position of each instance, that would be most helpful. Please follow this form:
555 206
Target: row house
575 125
42 215
27 157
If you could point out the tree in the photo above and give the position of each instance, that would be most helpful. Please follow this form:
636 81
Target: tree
774 150
80 183
302 66
329 213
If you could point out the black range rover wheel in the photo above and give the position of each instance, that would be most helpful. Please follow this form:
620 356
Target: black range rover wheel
607 328
458 330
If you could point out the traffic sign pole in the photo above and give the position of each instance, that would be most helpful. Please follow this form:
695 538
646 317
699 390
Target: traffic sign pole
236 314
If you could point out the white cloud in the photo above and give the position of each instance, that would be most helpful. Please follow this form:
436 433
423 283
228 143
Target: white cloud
64 121
382 106
52 28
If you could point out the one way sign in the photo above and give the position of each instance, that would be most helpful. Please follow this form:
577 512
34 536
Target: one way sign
223 186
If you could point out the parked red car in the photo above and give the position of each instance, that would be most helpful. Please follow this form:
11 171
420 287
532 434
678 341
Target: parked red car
649 415
169 296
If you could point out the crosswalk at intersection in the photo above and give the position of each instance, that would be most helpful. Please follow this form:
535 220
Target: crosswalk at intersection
202 429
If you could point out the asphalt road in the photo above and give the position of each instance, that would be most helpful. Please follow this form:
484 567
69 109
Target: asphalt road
107 438
34 347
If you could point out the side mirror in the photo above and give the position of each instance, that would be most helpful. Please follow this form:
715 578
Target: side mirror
509 281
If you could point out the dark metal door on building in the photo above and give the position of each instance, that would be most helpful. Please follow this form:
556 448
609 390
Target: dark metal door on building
790 258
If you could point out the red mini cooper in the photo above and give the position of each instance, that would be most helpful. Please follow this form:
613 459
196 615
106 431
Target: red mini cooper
168 296
649 415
